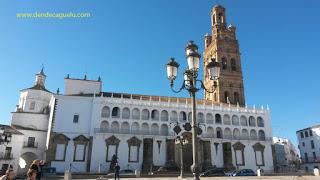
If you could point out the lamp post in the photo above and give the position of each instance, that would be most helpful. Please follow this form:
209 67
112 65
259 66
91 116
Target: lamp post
181 139
190 84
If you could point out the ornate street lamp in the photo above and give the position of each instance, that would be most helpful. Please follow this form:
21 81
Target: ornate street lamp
182 141
190 84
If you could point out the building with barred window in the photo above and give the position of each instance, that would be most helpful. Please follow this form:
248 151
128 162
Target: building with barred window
84 127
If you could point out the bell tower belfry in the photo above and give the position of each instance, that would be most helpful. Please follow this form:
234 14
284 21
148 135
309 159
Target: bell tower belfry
222 46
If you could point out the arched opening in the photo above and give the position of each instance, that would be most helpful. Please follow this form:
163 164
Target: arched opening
227 133
135 128
115 126
105 112
260 122
145 128
155 115
210 131
135 113
245 134
164 130
262 135
145 114
253 134
226 119
200 117
243 121
154 129
116 112
125 113
236 133
209 118
218 119
252 121
164 115
125 127
104 125
174 116
182 116
25 161
235 120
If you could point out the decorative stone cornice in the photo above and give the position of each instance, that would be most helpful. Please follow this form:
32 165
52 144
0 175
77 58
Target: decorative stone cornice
81 139
258 147
134 141
238 146
112 140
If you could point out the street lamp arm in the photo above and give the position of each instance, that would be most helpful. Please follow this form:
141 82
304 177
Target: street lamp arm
180 89
213 89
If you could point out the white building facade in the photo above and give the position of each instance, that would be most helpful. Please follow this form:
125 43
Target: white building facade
86 130
309 146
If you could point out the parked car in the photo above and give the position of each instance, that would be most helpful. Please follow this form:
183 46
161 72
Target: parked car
230 173
168 169
243 172
213 172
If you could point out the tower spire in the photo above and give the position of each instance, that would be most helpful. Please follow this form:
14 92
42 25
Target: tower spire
40 77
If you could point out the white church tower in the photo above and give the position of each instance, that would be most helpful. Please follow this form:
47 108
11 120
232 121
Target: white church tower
31 118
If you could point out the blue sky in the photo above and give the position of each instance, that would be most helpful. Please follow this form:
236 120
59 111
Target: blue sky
128 42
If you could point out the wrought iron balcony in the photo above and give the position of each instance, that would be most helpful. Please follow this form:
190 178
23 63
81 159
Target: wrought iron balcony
6 155
30 144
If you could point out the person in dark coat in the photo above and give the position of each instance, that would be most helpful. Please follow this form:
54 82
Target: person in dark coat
36 166
117 172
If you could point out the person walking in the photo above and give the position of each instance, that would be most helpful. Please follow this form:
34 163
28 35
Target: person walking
9 175
32 174
117 172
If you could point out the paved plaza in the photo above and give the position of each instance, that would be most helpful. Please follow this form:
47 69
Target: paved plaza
219 178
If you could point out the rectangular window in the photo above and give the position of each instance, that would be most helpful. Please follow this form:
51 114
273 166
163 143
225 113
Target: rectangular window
31 141
301 135
79 154
111 150
303 144
259 158
312 144
314 156
239 158
7 153
60 152
133 154
310 132
306 134
76 118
